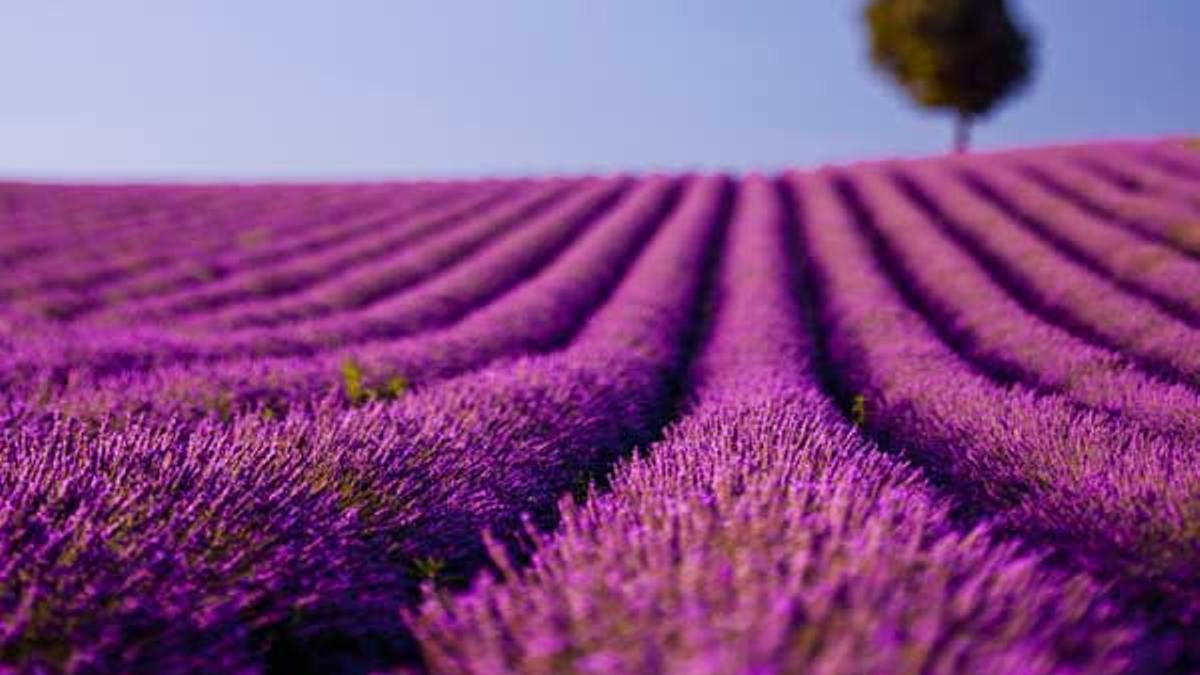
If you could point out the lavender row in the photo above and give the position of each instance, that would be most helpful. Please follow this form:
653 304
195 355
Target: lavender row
40 231
108 274
540 314
1150 215
1060 291
765 535
439 301
106 292
47 226
36 215
194 228
1176 158
68 305
302 231
295 542
1127 166
992 328
39 214
404 224
154 548
1112 496
1144 268
1143 184
269 237
359 282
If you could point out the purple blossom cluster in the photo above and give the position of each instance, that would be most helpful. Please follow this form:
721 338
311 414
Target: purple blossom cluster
935 415
1116 497
766 534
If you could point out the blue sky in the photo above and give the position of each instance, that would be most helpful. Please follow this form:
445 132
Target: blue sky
376 88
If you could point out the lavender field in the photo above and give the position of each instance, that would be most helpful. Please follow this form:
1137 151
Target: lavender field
913 416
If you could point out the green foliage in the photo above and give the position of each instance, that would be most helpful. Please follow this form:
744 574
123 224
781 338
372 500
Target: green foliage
352 381
858 410
580 487
962 55
428 568
395 386
222 404
356 390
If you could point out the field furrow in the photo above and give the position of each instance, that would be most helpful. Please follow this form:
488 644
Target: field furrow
359 282
348 508
990 328
438 302
1149 215
313 230
1059 290
913 415
1112 497
404 226
765 535
1174 159
279 223
1143 268
540 314
1142 184
104 294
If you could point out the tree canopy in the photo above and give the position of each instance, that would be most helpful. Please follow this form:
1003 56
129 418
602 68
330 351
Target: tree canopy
963 55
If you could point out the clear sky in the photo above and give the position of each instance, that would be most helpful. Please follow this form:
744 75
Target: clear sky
375 88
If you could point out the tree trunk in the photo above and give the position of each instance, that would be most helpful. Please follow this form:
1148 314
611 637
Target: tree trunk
962 133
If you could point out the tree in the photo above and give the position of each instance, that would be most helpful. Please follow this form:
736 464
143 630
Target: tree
964 55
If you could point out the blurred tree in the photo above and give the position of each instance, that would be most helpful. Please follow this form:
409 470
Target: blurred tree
965 55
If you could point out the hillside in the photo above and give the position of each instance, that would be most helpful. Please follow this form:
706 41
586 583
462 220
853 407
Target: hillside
924 415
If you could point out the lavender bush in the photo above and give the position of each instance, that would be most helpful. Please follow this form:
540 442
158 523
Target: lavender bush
933 415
